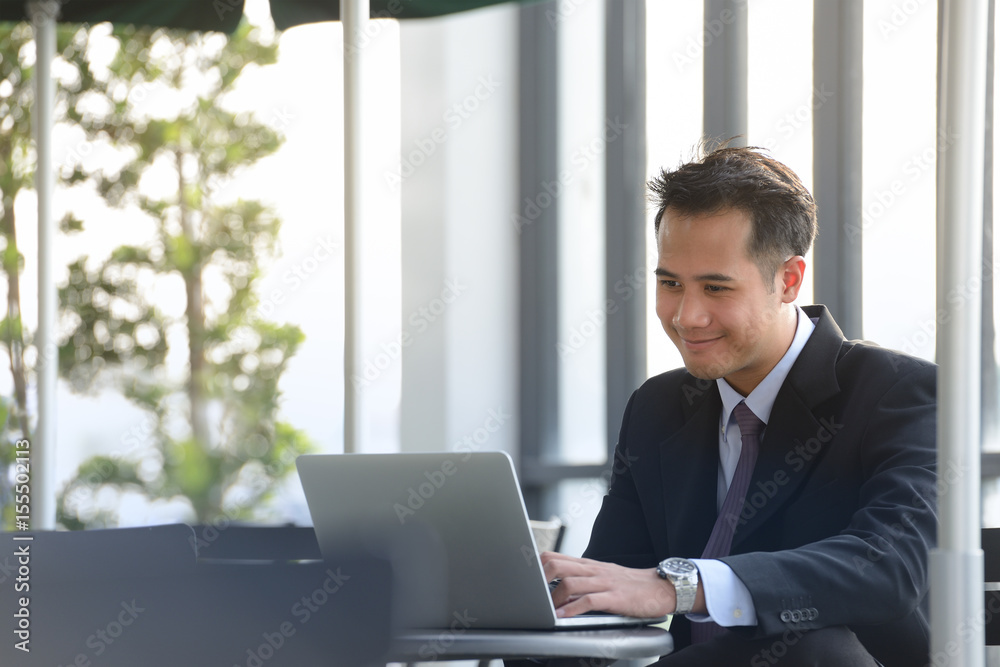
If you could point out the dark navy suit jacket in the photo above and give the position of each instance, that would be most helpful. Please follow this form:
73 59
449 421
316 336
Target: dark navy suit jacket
841 509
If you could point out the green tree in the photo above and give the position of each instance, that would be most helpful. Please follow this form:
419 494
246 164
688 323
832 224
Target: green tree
213 437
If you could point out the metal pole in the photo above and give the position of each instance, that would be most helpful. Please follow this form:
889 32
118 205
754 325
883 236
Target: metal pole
837 160
990 420
956 565
725 93
625 227
354 16
538 249
43 493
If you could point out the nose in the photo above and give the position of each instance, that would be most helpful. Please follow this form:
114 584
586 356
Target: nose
690 312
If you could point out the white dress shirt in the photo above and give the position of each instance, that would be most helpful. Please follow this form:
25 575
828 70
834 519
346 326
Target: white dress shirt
728 600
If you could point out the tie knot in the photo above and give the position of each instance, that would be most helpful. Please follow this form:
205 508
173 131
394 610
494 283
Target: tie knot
750 424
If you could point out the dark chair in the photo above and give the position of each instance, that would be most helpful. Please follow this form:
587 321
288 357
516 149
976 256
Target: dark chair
171 595
991 568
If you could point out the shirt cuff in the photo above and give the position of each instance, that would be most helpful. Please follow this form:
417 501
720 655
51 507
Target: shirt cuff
726 596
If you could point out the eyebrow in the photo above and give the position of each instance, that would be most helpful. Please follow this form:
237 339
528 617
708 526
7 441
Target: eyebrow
708 277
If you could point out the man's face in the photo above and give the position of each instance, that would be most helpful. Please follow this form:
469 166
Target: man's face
713 302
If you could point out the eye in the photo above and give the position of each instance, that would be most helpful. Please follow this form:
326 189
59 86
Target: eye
716 289
669 284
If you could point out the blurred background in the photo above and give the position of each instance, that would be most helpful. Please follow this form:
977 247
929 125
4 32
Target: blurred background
506 294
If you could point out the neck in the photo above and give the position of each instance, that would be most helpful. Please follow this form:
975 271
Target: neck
784 335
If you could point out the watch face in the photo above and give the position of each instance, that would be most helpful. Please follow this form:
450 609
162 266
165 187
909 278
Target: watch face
680 565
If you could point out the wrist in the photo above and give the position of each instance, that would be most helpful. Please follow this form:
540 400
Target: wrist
683 575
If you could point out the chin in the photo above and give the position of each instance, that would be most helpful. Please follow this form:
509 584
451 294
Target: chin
703 373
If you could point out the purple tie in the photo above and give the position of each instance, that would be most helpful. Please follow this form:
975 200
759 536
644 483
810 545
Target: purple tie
729 516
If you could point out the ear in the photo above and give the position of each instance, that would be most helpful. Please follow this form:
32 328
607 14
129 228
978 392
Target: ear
789 278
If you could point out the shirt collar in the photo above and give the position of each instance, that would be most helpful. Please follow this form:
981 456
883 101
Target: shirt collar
761 399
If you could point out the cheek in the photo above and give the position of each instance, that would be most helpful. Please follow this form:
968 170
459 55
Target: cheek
664 307
749 328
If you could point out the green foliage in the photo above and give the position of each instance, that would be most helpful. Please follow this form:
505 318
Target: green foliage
110 321
17 170
214 442
9 434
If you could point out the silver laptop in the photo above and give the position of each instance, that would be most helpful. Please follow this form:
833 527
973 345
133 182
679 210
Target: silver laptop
456 526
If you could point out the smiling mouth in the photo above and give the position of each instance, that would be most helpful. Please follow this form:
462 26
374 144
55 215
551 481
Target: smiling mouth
699 344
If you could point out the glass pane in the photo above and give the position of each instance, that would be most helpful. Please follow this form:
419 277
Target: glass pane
898 210
583 137
675 37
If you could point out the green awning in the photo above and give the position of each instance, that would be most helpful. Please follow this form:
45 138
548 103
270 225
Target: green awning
224 15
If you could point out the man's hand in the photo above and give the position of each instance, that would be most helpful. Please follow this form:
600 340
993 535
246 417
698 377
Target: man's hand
588 585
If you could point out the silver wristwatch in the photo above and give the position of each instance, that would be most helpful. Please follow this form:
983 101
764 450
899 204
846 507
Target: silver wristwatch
683 574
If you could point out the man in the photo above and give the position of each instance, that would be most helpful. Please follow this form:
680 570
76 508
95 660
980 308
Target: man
827 445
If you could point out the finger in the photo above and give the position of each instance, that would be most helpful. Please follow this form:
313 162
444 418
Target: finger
562 599
560 568
581 605
553 564
571 588
547 556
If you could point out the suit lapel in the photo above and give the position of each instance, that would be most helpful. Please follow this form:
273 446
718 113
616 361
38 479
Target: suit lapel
794 424
689 469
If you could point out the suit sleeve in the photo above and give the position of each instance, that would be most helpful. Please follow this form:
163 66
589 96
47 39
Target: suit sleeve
875 570
620 534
